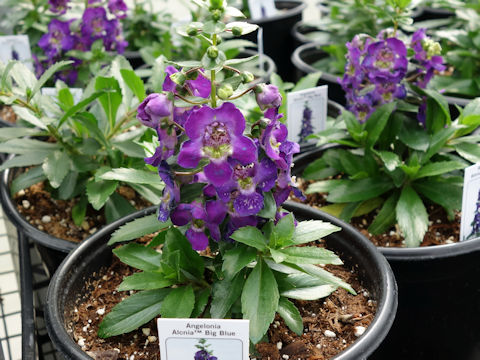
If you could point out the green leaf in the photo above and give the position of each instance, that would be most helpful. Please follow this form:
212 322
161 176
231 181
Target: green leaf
324 186
76 108
150 192
386 216
27 179
27 146
468 151
438 141
145 280
260 300
134 83
412 217
132 312
310 255
390 159
48 74
290 314
326 277
312 230
29 116
111 99
201 301
117 207
98 192
6 71
178 303
239 61
79 210
225 294
308 81
236 259
132 176
34 158
318 169
214 64
139 256
439 168
442 192
251 236
185 64
138 228
282 232
377 122
244 26
55 167
7 133
309 293
354 127
413 135
359 190
269 209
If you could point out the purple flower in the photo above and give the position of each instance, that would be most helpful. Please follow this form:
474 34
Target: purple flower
386 61
306 128
273 136
167 141
216 134
118 8
114 39
200 87
171 192
268 96
154 109
58 39
201 355
94 24
200 217
58 6
427 54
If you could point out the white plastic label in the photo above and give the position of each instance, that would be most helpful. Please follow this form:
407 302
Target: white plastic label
222 338
306 112
16 47
260 9
470 223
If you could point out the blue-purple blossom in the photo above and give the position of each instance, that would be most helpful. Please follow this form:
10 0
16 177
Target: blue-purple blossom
427 54
58 39
118 8
171 192
58 6
201 86
113 39
306 126
154 109
167 139
386 61
268 96
216 134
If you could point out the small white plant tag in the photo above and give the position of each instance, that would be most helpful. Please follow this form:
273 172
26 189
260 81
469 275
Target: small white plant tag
306 112
16 47
260 9
470 223
222 338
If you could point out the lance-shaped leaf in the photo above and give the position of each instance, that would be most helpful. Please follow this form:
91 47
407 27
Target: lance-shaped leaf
311 230
290 314
359 190
310 255
225 294
178 303
98 192
412 217
55 167
251 236
309 293
138 228
438 168
236 259
139 257
131 176
146 280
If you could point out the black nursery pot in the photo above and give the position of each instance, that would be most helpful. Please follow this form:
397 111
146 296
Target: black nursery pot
278 42
304 56
304 33
439 297
352 247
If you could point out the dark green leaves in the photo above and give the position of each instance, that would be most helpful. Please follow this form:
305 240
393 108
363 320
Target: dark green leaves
139 257
137 228
359 190
412 217
250 236
178 303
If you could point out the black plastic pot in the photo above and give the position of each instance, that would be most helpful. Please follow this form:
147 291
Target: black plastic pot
304 33
352 247
439 298
430 13
304 56
278 42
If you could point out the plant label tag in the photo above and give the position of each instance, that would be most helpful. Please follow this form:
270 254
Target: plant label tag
470 222
16 47
306 113
260 9
210 338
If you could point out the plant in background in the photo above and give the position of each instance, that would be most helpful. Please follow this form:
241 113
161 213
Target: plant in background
232 251
90 149
307 128
203 353
401 148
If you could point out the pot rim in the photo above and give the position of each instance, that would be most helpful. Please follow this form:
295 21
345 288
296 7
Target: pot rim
378 329
295 10
300 37
307 68
417 254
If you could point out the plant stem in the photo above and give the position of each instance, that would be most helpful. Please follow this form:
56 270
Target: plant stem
118 126
243 93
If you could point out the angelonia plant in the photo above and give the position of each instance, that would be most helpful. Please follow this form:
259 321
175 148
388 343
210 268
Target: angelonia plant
91 148
84 40
228 249
203 353
402 151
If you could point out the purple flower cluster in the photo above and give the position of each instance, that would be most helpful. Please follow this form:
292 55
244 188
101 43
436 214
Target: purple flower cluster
376 70
95 25
235 169
204 355
307 128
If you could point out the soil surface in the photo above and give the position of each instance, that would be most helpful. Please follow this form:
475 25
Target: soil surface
7 114
441 230
55 216
330 325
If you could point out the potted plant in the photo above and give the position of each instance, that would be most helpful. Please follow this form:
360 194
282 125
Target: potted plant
397 176
82 153
225 245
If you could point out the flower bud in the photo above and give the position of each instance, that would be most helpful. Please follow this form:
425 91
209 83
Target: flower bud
153 109
225 91
247 77
217 14
268 96
212 52
192 31
178 78
219 39
236 30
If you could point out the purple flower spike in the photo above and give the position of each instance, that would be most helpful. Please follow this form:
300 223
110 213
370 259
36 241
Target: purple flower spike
216 134
171 192
94 24
57 39
274 134
113 39
386 60
118 8
154 109
58 6
200 87
268 96
167 141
